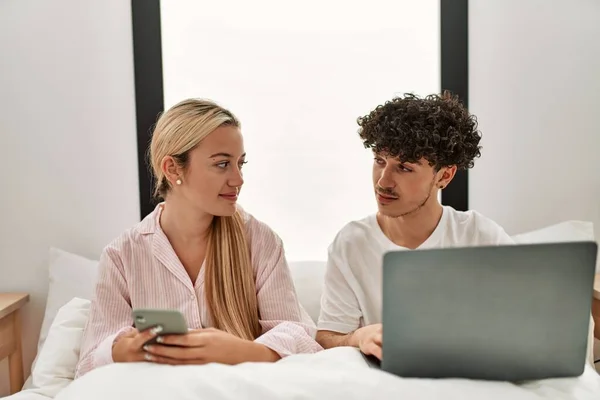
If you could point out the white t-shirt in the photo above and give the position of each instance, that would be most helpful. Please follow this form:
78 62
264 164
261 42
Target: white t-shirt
352 293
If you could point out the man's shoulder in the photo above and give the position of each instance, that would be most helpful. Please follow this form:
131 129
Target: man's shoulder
476 228
354 233
473 219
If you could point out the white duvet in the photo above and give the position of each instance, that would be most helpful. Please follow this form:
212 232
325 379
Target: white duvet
336 374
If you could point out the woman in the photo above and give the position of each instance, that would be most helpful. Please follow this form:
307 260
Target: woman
199 253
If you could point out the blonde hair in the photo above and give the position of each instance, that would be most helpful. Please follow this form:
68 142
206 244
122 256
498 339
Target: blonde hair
228 277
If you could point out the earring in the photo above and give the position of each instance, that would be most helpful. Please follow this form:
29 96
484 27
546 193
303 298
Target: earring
178 181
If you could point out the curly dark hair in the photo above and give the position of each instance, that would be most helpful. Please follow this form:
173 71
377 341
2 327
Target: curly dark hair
438 128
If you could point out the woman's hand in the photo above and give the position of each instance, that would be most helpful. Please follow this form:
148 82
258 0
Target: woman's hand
205 346
129 346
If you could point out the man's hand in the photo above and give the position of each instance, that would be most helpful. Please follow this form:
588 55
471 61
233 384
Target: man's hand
128 347
370 339
205 346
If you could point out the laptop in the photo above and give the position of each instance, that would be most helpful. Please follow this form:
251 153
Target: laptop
503 313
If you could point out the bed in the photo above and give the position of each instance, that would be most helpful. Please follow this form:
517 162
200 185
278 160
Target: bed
332 374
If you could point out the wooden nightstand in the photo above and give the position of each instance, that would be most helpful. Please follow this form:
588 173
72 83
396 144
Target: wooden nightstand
10 336
596 307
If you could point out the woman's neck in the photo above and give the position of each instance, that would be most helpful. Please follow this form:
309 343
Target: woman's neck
183 224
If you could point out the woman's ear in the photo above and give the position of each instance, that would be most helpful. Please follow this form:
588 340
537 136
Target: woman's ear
445 176
172 171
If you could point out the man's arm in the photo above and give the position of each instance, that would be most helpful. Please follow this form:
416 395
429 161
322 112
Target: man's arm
330 339
368 339
340 311
340 318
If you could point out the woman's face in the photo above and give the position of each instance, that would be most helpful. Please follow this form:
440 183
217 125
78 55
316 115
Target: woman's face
213 178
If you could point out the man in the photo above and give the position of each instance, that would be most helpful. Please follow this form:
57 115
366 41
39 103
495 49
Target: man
418 145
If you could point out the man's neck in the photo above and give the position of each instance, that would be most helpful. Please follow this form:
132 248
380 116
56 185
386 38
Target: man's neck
412 230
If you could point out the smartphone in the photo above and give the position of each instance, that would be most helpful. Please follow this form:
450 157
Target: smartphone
172 321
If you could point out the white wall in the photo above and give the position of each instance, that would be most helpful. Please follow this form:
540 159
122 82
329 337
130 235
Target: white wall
535 86
298 74
67 134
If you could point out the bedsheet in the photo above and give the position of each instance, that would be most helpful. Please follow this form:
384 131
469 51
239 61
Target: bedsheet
335 374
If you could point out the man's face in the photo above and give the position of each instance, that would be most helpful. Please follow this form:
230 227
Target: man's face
402 188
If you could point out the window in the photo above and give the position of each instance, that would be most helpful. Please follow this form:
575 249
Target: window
297 75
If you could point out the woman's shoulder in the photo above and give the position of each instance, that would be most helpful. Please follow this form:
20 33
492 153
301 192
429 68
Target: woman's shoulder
132 242
259 233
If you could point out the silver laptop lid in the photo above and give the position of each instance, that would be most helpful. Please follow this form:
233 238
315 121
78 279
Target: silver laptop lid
513 313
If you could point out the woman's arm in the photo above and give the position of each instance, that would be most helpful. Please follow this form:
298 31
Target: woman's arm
110 314
287 328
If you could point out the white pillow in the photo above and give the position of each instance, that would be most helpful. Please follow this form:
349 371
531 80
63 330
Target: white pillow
56 362
568 231
69 276
308 279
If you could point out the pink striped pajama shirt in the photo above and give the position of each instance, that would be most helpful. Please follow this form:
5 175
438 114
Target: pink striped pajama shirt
141 270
